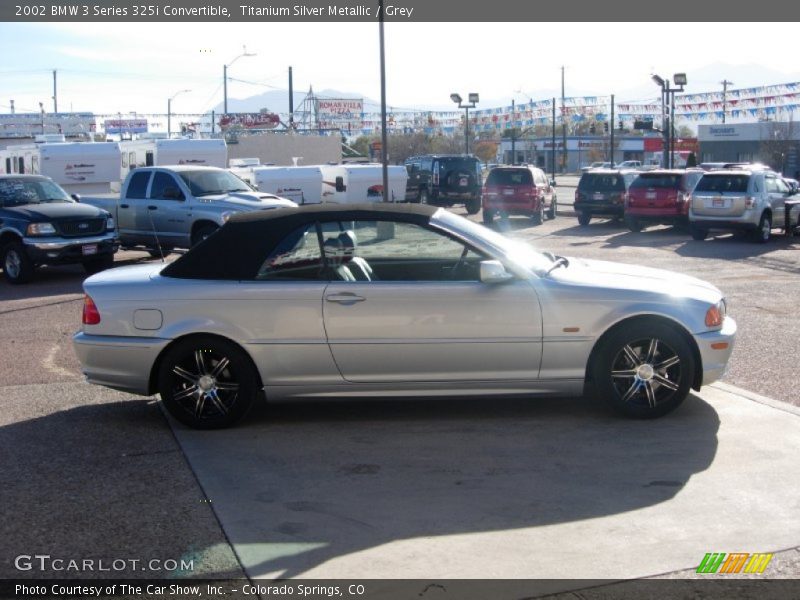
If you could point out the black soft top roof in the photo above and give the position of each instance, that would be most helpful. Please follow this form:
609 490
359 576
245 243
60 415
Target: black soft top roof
238 249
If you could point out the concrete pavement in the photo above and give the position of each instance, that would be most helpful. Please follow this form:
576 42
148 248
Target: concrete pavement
552 489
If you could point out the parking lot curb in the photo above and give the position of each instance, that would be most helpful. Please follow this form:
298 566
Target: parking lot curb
753 397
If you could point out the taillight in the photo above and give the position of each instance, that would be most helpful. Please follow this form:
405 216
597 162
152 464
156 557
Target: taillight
91 316
749 202
435 177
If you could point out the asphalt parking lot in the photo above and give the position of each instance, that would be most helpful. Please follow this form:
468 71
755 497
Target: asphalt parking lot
551 489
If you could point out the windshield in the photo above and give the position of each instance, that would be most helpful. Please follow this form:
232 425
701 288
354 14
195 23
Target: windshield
517 251
603 182
208 182
470 165
509 177
20 191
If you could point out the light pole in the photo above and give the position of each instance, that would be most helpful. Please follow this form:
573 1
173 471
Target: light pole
473 100
169 111
225 77
668 114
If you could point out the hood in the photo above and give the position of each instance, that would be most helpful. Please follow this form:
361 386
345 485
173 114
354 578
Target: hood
47 211
248 200
620 276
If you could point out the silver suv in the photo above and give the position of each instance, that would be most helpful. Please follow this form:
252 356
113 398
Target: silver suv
741 199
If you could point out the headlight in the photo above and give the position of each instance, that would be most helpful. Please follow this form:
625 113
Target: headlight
110 224
41 229
716 314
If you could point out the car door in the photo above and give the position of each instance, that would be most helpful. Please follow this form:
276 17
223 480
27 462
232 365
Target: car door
171 217
424 315
777 191
132 218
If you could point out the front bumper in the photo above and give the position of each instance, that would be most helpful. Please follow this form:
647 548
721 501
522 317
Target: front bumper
715 350
58 250
120 363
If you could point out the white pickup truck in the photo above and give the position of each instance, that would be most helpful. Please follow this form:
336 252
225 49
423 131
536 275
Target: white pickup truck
178 206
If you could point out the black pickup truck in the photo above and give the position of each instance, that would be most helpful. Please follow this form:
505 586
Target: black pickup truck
40 224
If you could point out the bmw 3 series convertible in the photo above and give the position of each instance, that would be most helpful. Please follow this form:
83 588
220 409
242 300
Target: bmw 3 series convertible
397 300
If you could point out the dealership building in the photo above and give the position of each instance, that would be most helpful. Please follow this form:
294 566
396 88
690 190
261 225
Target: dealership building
771 142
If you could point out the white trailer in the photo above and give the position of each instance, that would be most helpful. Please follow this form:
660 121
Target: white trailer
82 167
159 153
303 185
20 159
353 183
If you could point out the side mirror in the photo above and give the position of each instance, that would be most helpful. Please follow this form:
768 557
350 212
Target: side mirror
76 197
552 183
493 271
340 186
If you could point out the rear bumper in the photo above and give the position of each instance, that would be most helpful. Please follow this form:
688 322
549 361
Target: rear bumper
500 204
58 250
600 208
715 350
665 213
729 224
120 363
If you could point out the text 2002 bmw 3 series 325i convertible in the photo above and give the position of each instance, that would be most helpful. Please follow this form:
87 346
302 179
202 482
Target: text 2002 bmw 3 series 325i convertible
401 300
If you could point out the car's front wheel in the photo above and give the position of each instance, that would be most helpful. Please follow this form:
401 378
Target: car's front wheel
207 382
203 232
643 369
17 265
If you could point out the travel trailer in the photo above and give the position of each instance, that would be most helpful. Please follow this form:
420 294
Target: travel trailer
354 183
157 153
303 185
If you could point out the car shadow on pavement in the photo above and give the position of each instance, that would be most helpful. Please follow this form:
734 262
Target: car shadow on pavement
298 485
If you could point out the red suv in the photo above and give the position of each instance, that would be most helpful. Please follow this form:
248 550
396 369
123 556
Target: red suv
519 190
660 196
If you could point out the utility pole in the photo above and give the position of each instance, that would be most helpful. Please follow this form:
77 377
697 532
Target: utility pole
725 83
55 93
563 125
513 135
291 101
553 146
611 132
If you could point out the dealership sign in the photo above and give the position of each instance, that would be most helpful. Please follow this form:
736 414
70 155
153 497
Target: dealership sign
119 126
259 120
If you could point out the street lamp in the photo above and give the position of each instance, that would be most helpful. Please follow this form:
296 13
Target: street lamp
225 76
169 111
668 113
473 100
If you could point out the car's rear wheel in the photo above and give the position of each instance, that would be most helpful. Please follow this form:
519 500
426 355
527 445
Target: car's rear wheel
698 233
17 265
473 205
762 234
633 224
584 217
488 216
538 215
643 369
207 382
553 211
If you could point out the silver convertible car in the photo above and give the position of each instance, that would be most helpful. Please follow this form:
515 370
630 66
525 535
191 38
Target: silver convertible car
394 300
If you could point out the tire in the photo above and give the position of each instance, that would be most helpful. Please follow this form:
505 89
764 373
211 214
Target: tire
17 265
191 377
156 254
762 234
423 197
643 369
96 265
552 212
488 216
202 233
538 216
633 224
584 217
473 206
698 233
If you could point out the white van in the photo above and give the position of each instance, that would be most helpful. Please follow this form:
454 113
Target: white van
349 184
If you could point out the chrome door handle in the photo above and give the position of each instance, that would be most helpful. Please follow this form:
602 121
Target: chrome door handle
345 298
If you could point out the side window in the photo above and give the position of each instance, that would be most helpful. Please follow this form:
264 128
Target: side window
772 185
757 186
426 164
396 251
297 256
164 182
137 186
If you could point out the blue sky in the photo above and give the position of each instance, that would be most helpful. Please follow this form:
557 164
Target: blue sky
119 67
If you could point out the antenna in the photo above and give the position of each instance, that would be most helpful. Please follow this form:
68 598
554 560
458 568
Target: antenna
150 210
